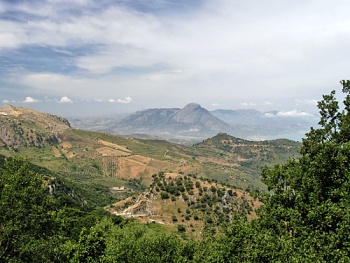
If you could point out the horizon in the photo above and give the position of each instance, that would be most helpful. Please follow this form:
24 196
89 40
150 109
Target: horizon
287 117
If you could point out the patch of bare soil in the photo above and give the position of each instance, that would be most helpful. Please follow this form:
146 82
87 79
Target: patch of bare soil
56 152
115 146
66 145
106 151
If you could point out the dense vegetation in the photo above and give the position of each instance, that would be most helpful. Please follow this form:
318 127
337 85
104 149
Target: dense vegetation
305 216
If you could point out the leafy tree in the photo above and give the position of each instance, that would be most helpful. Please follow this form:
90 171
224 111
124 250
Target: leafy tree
92 243
310 200
24 204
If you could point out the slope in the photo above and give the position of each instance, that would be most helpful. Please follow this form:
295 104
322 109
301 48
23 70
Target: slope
104 161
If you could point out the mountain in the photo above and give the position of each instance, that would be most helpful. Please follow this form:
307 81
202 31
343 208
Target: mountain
102 160
25 127
241 116
191 121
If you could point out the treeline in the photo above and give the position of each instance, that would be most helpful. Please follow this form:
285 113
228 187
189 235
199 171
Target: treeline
305 216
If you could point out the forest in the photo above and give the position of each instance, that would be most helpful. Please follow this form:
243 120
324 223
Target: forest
304 217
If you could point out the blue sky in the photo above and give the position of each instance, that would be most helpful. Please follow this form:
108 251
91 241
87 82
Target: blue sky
83 57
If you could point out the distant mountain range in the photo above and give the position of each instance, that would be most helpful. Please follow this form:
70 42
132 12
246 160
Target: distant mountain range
194 123
191 121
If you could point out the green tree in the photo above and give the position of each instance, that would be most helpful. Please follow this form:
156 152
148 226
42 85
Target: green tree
310 200
25 221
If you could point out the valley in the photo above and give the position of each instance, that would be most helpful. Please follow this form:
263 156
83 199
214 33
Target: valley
193 123
150 180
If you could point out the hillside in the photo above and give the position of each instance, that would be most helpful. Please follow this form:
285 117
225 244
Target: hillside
101 161
24 127
196 204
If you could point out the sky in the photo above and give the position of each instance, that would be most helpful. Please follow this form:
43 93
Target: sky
95 57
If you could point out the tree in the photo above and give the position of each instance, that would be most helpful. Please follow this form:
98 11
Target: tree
310 200
25 221
164 195
181 228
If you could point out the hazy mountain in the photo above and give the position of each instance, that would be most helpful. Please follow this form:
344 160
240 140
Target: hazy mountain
191 121
241 116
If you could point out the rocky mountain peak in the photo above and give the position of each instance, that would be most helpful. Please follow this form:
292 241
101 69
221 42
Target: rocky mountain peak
192 106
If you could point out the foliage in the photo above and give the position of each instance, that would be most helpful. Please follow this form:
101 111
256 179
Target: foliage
24 207
311 197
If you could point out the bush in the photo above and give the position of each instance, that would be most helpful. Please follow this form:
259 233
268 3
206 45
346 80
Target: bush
181 228
164 195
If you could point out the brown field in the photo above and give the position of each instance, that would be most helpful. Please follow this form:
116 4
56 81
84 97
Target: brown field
140 159
158 164
115 146
130 168
106 151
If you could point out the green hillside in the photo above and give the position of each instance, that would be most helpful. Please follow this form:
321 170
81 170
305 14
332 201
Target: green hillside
111 161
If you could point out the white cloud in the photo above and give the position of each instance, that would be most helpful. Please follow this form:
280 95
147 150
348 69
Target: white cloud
294 113
30 100
65 100
268 103
125 100
248 104
11 34
5 101
266 50
269 114
111 100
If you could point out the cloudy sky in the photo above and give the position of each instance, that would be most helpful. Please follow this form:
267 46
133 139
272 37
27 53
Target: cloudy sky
82 57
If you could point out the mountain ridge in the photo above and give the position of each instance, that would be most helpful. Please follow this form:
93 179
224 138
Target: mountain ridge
190 120
194 123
